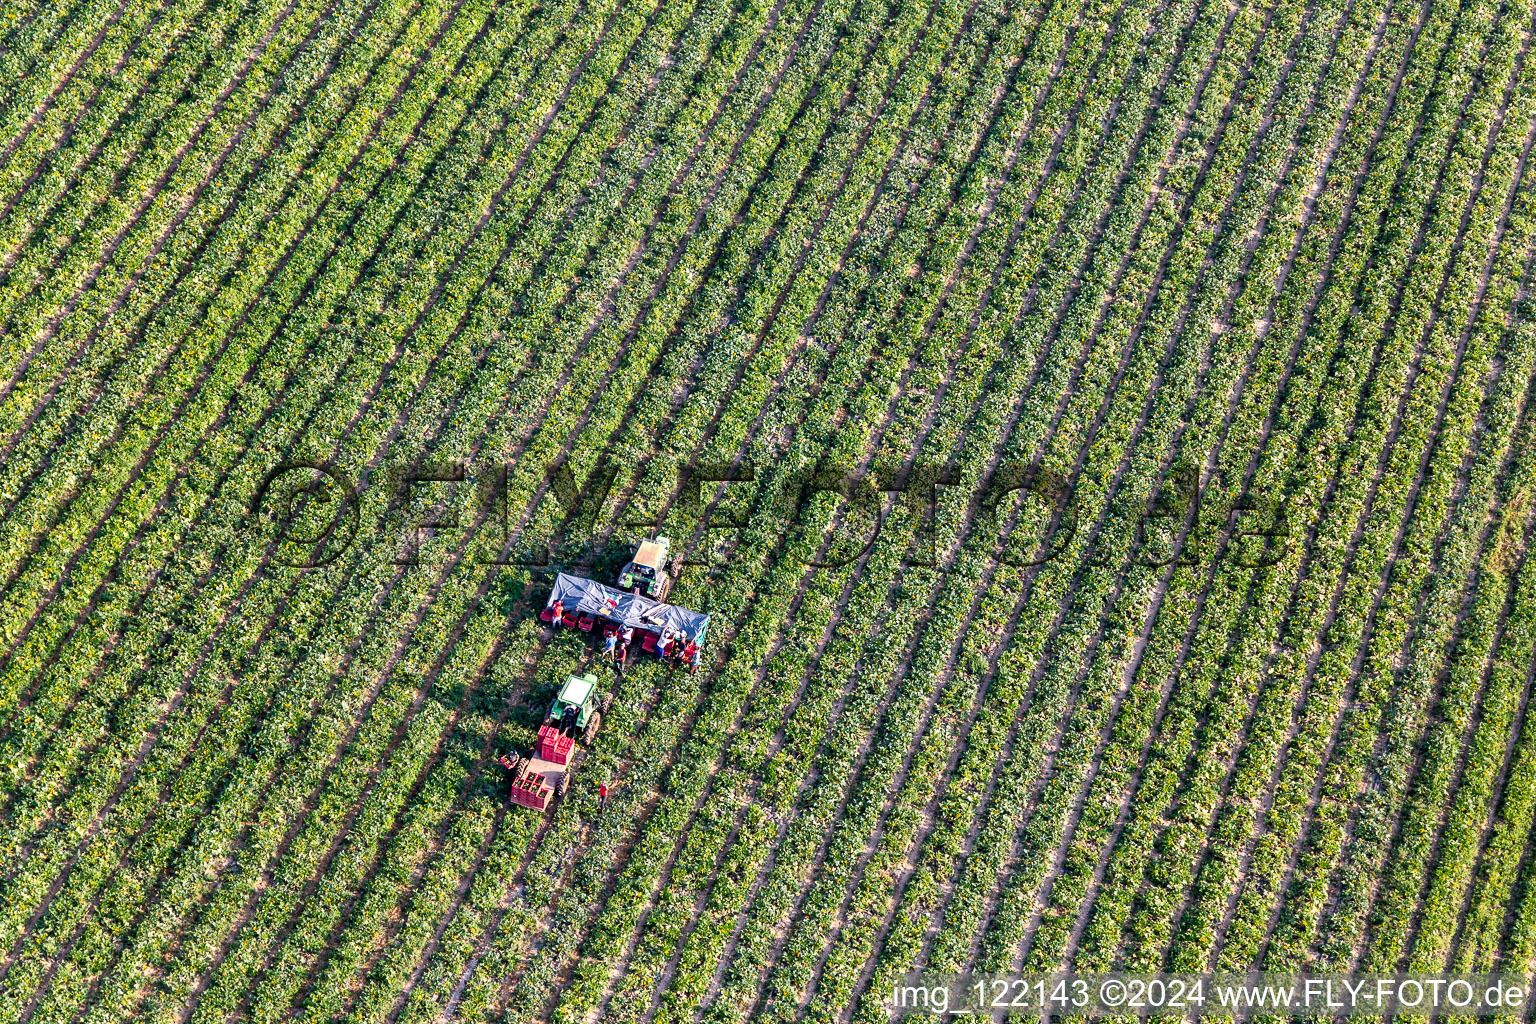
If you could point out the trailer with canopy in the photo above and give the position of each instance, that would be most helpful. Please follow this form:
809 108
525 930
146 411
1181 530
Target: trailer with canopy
584 603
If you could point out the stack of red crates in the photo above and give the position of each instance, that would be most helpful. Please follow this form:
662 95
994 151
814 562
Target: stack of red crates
553 746
530 791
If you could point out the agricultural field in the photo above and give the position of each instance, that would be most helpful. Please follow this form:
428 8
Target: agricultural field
1100 434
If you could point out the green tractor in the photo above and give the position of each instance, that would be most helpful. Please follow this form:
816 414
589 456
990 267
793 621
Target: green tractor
577 712
646 572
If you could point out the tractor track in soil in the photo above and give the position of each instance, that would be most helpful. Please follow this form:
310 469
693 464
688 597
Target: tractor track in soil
407 412
884 704
164 501
50 393
1160 587
1101 224
1393 432
1123 815
1464 472
26 694
757 423
950 660
62 502
227 613
1053 746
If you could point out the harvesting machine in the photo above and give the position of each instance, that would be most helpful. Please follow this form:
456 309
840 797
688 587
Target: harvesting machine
569 726
576 602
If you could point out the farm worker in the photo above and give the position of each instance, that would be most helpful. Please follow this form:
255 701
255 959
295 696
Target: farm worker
629 635
602 795
663 643
559 610
691 655
610 642
568 720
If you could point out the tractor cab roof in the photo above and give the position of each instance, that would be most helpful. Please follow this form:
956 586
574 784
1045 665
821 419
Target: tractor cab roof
652 553
577 689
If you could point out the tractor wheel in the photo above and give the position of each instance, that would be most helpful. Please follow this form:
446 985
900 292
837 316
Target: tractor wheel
519 767
564 785
606 702
593 724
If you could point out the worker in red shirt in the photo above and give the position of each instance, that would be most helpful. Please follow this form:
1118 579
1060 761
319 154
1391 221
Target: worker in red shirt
602 795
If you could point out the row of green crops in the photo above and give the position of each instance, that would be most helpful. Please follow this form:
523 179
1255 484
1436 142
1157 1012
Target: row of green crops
1196 261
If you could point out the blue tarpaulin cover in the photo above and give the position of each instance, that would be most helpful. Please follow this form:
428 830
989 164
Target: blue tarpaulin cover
579 594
